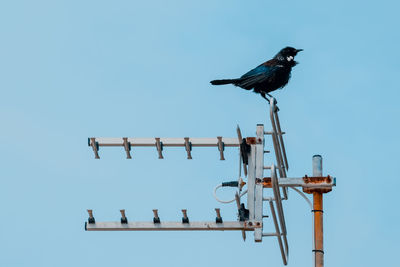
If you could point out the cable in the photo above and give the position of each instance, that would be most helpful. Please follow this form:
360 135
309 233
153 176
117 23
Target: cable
226 201
302 194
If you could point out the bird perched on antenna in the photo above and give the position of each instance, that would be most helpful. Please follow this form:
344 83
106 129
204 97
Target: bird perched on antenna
269 76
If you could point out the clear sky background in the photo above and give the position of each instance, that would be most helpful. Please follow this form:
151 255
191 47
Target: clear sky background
75 69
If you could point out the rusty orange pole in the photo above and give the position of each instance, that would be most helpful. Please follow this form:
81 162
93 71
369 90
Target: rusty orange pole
318 215
318 229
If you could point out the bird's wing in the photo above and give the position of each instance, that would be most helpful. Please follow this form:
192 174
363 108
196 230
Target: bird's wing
256 71
258 75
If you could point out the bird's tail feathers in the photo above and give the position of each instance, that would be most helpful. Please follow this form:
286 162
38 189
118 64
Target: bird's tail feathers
225 81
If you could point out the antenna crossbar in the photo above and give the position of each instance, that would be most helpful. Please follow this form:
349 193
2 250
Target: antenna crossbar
161 142
166 141
173 226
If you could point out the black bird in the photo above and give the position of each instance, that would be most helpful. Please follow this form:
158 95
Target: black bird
269 76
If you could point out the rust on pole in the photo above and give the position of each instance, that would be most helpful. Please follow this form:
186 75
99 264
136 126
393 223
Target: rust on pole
318 211
318 229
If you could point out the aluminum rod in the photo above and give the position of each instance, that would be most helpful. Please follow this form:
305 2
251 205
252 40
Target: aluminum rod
279 133
270 234
251 181
240 138
317 165
300 182
278 199
170 226
269 133
277 145
166 141
159 143
278 233
274 134
258 191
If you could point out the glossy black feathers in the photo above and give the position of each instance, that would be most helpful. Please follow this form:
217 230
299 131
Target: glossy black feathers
267 77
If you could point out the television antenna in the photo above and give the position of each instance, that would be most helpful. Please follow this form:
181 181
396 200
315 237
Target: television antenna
271 189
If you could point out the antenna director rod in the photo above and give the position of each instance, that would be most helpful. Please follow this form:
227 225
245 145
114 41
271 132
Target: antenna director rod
168 141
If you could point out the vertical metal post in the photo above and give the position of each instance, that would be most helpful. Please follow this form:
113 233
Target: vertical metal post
317 165
318 216
258 191
251 181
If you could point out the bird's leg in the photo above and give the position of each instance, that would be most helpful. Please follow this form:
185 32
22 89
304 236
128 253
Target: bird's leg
263 95
276 102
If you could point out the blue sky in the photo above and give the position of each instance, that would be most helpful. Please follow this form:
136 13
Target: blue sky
74 69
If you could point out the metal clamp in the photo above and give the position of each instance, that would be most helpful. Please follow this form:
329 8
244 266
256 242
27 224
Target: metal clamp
95 146
127 146
185 218
124 220
188 146
91 219
156 219
218 219
159 147
221 147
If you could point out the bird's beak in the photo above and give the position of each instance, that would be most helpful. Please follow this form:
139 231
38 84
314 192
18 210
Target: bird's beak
298 50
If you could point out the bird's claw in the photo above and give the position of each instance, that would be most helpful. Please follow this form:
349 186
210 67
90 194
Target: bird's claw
266 98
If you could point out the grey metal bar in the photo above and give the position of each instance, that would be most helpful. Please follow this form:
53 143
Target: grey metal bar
278 233
237 198
258 193
251 181
317 165
279 133
172 226
270 234
299 182
278 200
269 133
240 138
188 143
258 209
167 141
277 145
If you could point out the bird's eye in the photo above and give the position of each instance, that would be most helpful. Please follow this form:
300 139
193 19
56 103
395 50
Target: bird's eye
289 58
